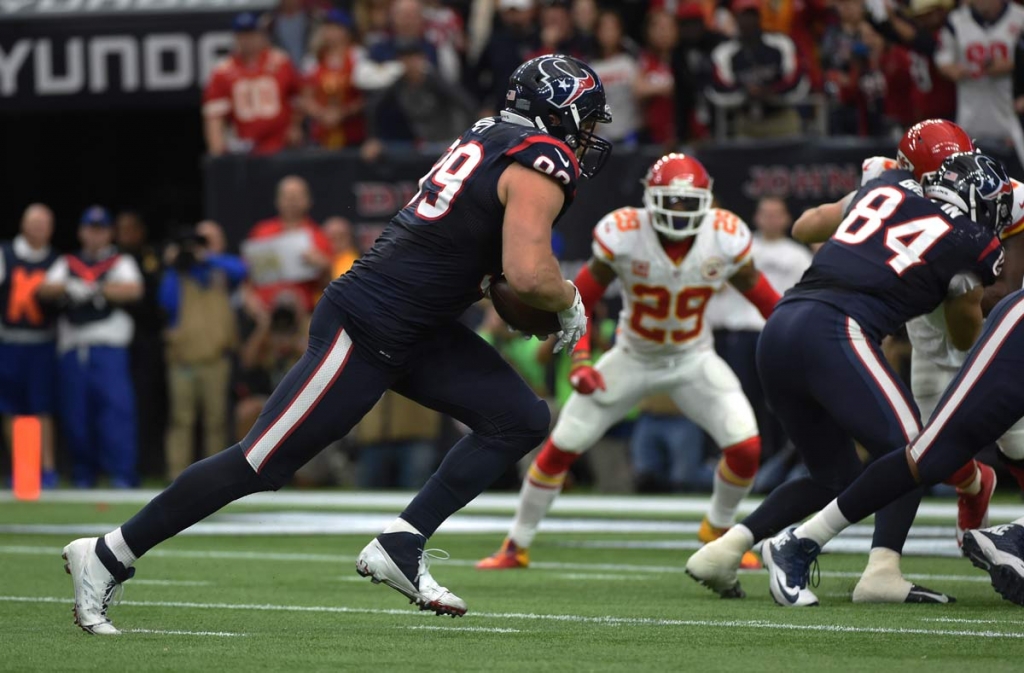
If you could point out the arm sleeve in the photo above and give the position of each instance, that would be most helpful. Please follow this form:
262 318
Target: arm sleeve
232 266
724 90
551 157
217 96
168 296
125 270
58 272
945 52
990 262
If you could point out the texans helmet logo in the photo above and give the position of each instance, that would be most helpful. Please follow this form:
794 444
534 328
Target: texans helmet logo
564 87
994 177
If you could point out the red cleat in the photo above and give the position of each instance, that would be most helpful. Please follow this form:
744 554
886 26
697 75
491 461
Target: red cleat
972 510
508 557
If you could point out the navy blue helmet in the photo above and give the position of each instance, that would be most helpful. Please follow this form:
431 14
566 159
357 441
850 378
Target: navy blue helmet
563 97
976 184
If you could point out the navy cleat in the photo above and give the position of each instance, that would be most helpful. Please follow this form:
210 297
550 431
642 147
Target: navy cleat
400 561
789 561
1000 552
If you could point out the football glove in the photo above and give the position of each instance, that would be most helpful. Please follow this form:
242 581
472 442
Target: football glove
573 321
80 292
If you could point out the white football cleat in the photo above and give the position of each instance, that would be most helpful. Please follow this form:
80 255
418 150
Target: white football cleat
714 565
95 587
789 560
399 561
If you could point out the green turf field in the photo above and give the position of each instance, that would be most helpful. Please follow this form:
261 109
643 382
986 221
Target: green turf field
591 603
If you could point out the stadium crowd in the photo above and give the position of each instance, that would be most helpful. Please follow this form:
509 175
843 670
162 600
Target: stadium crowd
167 352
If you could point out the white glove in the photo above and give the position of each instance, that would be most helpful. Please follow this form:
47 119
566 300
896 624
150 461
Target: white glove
878 10
573 321
79 291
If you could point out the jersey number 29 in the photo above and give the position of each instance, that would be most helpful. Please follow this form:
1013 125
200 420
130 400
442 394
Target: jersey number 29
908 241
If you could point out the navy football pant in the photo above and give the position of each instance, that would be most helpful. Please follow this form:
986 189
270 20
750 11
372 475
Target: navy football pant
979 406
328 391
829 384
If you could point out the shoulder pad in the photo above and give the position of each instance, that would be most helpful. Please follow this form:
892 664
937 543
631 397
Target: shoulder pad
873 167
732 235
548 155
1016 211
616 234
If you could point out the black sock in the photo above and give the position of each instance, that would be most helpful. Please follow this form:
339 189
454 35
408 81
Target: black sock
202 489
788 504
110 562
884 480
473 464
893 522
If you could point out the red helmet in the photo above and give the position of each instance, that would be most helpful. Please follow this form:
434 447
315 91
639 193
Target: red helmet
677 194
927 144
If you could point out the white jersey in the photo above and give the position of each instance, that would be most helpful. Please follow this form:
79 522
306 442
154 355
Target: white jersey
664 301
984 105
782 261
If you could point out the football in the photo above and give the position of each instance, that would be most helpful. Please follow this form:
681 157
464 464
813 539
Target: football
519 314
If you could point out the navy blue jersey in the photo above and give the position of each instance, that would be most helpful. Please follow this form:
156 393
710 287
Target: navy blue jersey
427 266
19 309
895 254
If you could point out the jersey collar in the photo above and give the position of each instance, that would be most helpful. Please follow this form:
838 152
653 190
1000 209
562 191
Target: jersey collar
25 251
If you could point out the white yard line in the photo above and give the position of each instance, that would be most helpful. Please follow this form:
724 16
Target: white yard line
607 620
962 620
601 577
295 557
488 502
186 633
479 629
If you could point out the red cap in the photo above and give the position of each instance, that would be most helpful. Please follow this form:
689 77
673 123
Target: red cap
690 10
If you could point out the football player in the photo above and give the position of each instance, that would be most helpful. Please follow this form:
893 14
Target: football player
895 255
486 207
982 403
936 357
671 256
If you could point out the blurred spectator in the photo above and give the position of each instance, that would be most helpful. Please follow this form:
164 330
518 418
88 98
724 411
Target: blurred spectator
28 358
201 337
932 95
804 21
716 16
976 50
146 354
854 81
558 35
619 71
97 403
757 75
514 38
420 107
891 63
407 31
329 93
253 90
344 251
397 444
290 27
655 88
584 18
275 338
667 449
288 253
737 324
444 29
692 71
372 20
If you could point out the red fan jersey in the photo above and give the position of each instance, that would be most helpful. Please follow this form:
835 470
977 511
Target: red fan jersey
256 98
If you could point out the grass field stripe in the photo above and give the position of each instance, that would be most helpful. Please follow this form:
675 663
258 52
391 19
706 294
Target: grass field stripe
173 583
163 632
292 557
479 629
964 620
609 620
602 577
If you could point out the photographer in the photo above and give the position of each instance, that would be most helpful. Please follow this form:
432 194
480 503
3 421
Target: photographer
201 335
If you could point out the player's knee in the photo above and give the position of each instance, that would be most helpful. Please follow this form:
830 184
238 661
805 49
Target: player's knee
526 428
553 460
742 459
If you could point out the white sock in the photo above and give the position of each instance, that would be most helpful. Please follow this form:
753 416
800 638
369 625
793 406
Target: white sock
725 500
973 488
825 525
534 502
883 561
737 539
122 552
400 525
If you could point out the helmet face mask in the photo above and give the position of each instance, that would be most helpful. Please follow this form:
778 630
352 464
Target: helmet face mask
565 89
677 194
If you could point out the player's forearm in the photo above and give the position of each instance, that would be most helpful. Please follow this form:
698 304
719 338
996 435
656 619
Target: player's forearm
541 285
213 128
50 292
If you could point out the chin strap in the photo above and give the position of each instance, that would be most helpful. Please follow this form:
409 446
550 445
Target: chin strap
763 296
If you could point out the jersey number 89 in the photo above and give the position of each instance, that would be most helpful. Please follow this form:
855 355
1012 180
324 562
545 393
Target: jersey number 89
908 241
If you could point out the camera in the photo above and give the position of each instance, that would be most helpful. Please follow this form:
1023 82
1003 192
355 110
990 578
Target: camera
190 246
